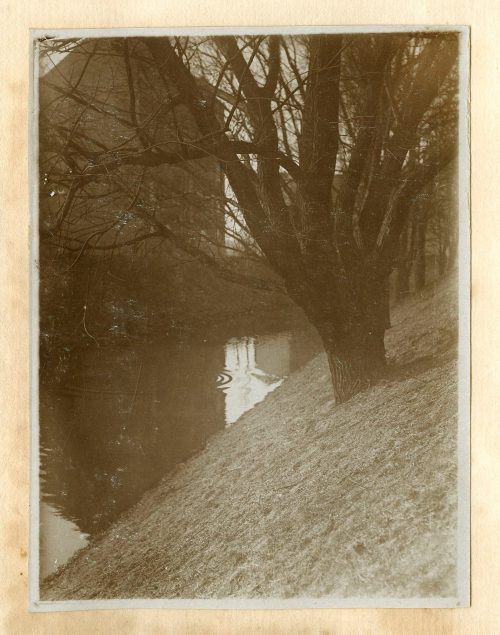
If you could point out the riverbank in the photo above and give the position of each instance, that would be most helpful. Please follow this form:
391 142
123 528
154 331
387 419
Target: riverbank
302 497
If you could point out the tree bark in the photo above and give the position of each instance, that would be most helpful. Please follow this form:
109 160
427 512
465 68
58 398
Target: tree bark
355 364
355 348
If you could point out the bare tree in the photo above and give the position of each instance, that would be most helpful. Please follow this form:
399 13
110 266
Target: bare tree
325 141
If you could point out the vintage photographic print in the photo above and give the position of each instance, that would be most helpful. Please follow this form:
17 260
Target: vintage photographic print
250 318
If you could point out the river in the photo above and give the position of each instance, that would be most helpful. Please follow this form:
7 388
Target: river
122 417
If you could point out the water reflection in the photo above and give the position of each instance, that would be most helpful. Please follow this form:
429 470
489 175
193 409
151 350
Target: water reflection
253 369
122 417
60 539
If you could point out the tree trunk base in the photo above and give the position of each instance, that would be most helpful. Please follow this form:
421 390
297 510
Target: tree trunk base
354 370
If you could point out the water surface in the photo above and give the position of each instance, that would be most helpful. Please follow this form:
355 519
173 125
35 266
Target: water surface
123 416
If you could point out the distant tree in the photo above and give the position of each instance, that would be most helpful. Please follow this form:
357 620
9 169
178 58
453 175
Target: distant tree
325 141
430 239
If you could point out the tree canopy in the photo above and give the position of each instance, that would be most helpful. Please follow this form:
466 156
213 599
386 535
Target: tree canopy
325 142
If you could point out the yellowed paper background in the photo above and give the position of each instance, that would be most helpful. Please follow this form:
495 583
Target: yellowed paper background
484 18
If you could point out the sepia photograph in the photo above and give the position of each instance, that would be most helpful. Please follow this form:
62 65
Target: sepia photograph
250 317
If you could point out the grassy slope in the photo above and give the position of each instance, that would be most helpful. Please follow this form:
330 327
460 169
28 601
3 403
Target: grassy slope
304 498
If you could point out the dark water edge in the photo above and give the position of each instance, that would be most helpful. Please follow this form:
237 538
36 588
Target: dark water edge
121 416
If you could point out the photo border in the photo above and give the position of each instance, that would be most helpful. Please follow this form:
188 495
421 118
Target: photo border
464 358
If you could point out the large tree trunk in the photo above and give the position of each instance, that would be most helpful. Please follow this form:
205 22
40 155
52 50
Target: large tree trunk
355 348
355 363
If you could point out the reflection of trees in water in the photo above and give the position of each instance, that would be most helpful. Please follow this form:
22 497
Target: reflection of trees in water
121 419
239 363
257 366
